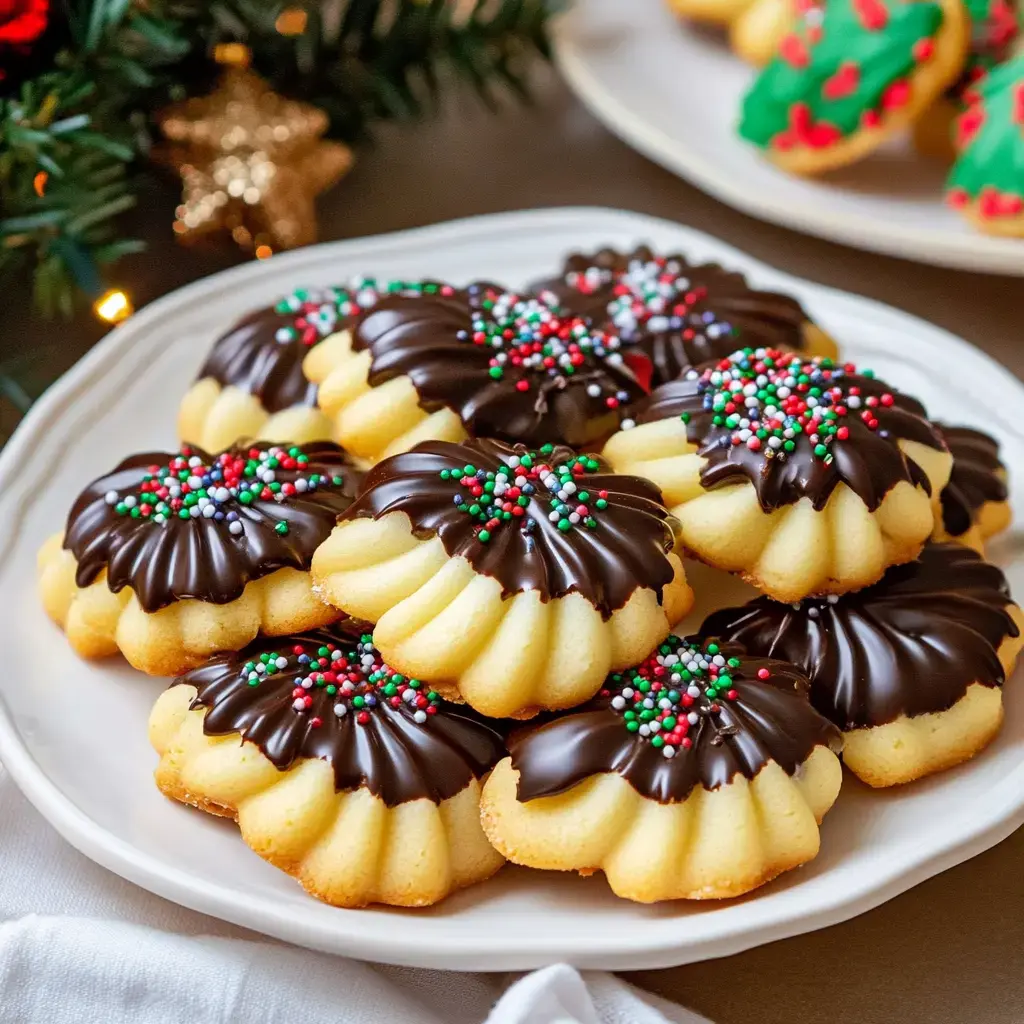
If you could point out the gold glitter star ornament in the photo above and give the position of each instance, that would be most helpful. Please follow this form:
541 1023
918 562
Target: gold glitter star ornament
251 163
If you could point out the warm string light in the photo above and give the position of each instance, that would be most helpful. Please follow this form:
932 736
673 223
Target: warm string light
113 306
291 21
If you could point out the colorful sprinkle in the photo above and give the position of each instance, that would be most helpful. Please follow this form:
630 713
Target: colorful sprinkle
221 490
317 312
768 400
652 295
353 676
532 336
528 488
665 697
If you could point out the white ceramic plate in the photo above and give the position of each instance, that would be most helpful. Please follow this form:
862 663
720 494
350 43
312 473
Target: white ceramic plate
673 91
73 734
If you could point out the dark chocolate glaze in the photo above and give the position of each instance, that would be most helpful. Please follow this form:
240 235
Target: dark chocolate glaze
869 462
200 558
769 720
978 477
263 353
427 339
625 551
910 644
389 753
250 357
725 314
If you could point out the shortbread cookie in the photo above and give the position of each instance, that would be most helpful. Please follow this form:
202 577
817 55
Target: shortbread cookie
803 476
758 32
361 783
714 12
994 32
911 669
680 314
512 579
700 774
170 558
975 502
987 182
840 88
252 383
479 362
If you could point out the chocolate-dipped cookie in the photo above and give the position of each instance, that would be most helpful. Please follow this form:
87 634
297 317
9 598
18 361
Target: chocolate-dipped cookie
479 362
335 767
252 383
679 313
911 668
975 502
803 475
171 557
512 578
701 773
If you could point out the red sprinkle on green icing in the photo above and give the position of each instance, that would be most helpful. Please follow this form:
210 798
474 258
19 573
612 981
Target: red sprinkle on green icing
990 137
841 69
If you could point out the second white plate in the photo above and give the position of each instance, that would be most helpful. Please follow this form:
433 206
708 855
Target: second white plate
672 91
73 733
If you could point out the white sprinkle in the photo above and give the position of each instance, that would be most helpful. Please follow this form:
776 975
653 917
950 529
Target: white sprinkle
299 704
594 390
130 501
628 691
340 710
235 528
209 511
420 716
668 751
644 730
618 702
111 497
693 718
627 424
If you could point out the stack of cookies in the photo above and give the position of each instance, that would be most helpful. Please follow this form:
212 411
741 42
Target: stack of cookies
426 623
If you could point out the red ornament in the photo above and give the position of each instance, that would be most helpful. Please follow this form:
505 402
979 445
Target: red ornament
23 21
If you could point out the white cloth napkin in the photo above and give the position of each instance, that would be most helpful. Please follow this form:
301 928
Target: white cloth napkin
79 945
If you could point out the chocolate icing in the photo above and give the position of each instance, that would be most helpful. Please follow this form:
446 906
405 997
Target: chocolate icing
379 745
723 312
201 557
868 461
430 339
908 645
262 354
624 550
250 357
978 477
761 720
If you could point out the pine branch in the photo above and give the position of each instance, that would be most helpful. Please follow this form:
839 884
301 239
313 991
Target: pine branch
69 137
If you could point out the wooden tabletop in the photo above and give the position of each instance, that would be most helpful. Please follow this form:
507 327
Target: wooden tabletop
950 949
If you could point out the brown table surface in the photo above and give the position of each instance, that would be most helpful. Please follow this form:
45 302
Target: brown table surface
951 949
